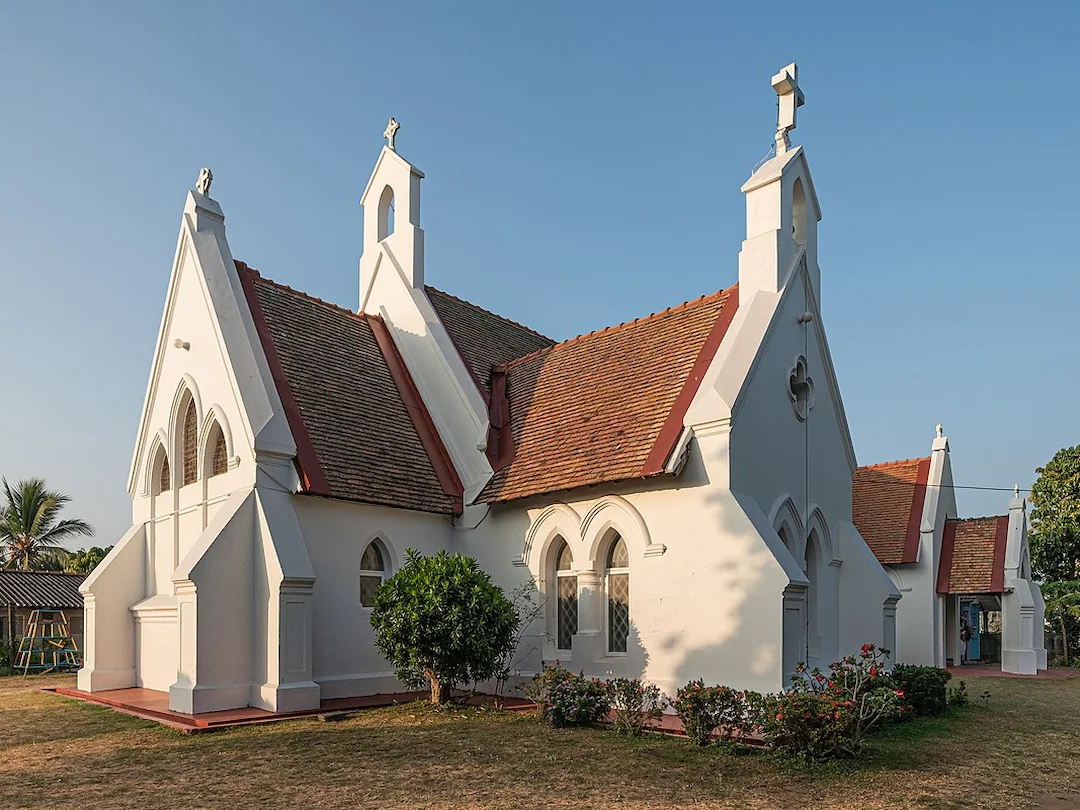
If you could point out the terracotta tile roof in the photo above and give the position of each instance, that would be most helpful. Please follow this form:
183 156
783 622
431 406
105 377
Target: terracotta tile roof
887 504
607 406
973 556
483 339
361 431
40 589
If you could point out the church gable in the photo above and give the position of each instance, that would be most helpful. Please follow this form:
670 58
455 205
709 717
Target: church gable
887 507
607 406
973 556
362 432
483 339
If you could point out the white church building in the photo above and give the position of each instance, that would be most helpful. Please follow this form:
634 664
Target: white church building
952 572
679 487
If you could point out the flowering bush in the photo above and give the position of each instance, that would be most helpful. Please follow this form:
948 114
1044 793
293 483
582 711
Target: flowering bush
566 699
825 716
924 688
634 704
704 709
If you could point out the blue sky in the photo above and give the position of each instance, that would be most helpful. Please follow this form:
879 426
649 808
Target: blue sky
583 167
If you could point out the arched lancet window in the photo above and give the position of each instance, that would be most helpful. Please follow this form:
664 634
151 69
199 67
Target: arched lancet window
190 445
162 473
813 628
217 451
617 588
566 609
798 213
386 213
372 573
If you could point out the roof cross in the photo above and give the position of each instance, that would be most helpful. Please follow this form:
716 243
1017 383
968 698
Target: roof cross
789 98
391 130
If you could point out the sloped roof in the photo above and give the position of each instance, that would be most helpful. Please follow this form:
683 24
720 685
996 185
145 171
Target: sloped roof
887 504
973 555
361 429
40 589
483 339
607 406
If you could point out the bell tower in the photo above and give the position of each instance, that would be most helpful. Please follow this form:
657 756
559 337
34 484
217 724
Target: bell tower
393 238
782 209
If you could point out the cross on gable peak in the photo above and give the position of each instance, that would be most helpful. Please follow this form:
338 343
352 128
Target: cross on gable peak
789 98
391 132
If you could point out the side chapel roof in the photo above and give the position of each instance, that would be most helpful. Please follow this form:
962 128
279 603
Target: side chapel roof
362 431
973 555
483 339
887 505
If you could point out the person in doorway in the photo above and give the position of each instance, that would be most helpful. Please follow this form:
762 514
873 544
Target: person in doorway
965 638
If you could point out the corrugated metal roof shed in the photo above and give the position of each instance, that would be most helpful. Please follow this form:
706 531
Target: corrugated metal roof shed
40 589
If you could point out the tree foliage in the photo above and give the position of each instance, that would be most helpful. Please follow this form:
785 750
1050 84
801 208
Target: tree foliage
1055 518
85 560
29 523
1062 606
440 619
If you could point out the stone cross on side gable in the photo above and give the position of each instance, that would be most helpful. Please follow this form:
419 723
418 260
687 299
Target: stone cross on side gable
391 130
790 98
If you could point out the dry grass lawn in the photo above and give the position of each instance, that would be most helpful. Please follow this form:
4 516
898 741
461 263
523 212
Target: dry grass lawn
1021 750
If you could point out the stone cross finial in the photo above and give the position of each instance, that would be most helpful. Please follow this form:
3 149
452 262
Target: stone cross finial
391 130
790 98
202 185
940 430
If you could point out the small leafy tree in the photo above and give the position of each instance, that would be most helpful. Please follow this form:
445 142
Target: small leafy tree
29 524
440 619
84 561
1055 518
1062 603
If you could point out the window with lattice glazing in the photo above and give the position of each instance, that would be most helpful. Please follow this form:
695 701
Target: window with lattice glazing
191 446
566 619
617 587
372 571
164 475
221 453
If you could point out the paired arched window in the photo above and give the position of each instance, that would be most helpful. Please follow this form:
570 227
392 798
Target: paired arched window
190 445
372 573
566 608
617 590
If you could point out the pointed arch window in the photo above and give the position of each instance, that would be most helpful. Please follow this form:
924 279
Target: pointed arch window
617 589
566 608
372 573
191 445
217 450
164 475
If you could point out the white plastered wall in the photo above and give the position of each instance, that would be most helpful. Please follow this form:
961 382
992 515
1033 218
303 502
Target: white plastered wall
345 661
920 617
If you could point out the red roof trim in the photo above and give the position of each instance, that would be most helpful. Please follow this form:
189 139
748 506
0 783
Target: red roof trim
418 412
307 462
673 425
918 501
997 578
948 545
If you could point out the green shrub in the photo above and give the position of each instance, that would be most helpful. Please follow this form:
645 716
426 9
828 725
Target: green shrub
704 709
828 716
566 699
440 619
925 688
634 704
958 695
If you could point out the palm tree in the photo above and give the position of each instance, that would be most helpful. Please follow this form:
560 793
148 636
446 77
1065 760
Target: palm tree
28 523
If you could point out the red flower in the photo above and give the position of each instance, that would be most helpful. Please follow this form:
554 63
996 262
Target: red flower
866 647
